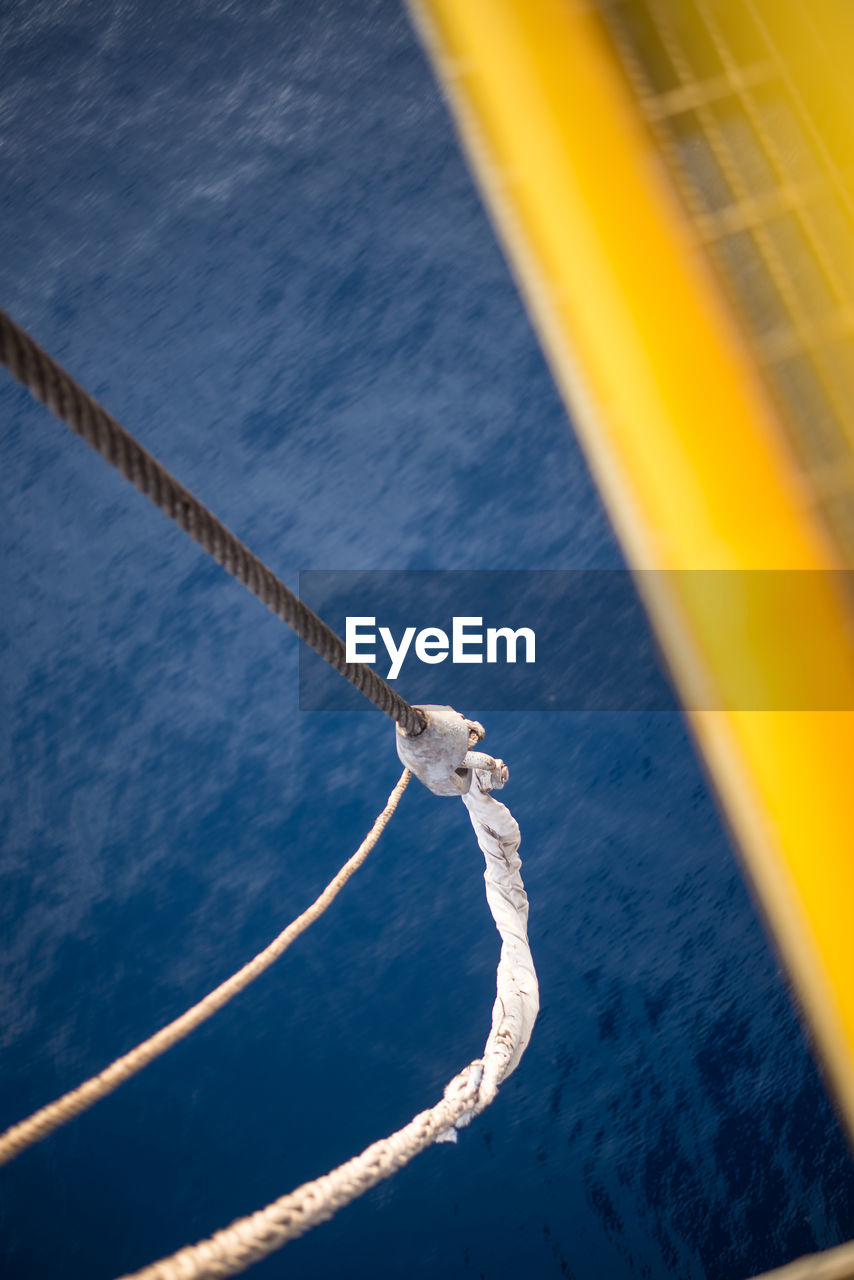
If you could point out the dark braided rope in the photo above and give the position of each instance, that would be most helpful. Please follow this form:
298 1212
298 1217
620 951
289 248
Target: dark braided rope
50 383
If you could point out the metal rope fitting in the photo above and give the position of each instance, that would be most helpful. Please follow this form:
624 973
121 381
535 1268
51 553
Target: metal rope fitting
440 757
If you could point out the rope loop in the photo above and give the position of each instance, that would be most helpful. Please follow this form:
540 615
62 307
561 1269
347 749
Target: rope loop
250 1239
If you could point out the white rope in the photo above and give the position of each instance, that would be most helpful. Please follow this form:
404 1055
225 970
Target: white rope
833 1264
43 1122
517 1000
250 1239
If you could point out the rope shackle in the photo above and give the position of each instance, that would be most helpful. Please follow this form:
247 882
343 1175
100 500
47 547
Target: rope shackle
440 755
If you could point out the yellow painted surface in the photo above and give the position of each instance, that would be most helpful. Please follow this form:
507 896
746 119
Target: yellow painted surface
685 446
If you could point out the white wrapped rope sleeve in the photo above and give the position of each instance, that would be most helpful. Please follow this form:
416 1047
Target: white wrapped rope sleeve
441 759
517 1000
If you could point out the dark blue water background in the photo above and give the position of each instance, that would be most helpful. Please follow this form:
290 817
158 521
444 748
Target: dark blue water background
248 229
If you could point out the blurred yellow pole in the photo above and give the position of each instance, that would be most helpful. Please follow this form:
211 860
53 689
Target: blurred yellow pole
685 448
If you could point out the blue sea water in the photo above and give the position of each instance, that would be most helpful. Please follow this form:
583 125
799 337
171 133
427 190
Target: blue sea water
248 229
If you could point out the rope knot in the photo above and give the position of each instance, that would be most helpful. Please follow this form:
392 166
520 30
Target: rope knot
440 756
